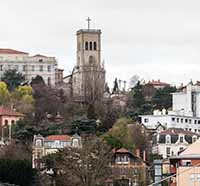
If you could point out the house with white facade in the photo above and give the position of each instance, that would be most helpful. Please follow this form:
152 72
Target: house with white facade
172 141
42 146
29 66
185 111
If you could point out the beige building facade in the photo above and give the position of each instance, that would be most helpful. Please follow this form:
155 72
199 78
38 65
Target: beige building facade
29 66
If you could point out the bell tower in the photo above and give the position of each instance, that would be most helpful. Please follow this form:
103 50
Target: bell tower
89 74
88 46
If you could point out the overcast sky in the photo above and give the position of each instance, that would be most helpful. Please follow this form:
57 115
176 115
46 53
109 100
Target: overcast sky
155 39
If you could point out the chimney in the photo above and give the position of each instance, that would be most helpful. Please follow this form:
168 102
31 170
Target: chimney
144 155
138 152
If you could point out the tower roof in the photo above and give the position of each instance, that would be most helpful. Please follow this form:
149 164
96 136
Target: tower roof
89 31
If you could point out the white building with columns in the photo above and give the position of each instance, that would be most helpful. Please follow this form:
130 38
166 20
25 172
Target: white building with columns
185 112
30 66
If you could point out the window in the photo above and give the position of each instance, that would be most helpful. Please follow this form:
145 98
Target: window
75 143
49 81
198 177
49 68
195 121
122 170
90 45
56 143
24 68
33 68
181 148
186 120
1 67
198 121
177 120
186 128
190 121
95 46
41 68
192 177
118 159
181 139
40 60
190 129
16 67
91 60
38 143
168 151
86 45
186 162
181 120
173 119
194 138
13 122
146 120
168 139
6 122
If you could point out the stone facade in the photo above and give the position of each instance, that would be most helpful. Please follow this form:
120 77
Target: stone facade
127 169
30 66
172 141
88 76
42 146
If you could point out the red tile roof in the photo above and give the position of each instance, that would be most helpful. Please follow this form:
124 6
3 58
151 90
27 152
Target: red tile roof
58 137
4 111
122 150
11 51
158 82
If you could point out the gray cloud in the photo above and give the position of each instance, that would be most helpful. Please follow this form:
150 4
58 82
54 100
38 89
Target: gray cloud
151 38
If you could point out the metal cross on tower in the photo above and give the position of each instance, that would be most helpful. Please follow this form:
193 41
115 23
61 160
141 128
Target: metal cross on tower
88 20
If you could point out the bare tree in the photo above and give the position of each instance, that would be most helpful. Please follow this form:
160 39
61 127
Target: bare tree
86 166
94 82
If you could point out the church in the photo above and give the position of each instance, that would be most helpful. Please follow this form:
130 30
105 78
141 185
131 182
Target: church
86 83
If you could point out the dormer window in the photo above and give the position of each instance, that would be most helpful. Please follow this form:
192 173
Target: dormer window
38 143
75 143
168 139
194 138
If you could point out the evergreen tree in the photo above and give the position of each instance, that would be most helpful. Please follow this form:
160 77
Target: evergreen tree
163 98
13 79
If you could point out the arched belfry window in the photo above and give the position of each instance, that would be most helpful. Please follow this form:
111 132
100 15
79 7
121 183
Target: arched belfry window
90 45
91 60
86 45
95 45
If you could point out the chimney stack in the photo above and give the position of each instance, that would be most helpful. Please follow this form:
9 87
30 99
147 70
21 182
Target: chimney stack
138 152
